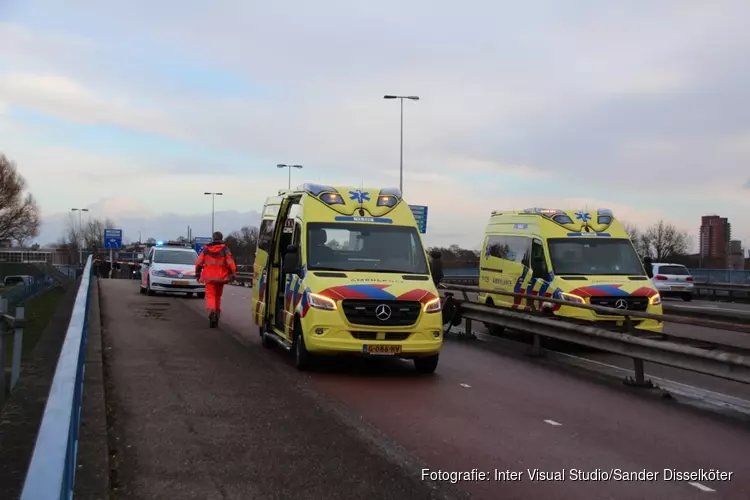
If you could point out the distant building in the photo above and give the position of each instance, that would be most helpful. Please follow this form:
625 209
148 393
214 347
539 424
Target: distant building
736 255
715 235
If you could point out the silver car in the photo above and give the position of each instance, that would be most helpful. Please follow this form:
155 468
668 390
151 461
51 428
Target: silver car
673 280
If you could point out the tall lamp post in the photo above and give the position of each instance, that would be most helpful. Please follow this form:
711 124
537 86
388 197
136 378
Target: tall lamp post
290 167
213 208
80 232
401 153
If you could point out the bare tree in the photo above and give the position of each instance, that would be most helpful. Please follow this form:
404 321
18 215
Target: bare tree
19 214
91 235
151 241
663 241
637 238
243 243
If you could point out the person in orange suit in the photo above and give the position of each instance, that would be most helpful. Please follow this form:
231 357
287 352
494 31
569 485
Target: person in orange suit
215 267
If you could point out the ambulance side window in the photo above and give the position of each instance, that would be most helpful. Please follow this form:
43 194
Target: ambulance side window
538 261
265 234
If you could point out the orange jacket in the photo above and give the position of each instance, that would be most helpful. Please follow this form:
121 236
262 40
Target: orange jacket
215 263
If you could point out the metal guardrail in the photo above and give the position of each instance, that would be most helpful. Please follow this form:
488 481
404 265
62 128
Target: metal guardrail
243 278
717 363
51 473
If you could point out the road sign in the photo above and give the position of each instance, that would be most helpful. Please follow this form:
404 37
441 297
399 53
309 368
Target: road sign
112 238
200 241
420 215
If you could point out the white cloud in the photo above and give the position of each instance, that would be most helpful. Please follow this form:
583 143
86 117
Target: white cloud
564 95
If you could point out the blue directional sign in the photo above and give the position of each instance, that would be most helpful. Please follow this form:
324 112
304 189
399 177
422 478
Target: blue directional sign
113 238
420 215
200 241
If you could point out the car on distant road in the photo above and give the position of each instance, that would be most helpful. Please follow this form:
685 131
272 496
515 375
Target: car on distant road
673 280
170 268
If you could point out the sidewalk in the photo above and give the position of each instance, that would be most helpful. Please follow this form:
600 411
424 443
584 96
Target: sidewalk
201 416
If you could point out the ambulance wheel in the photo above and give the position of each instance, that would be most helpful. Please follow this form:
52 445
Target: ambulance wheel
495 330
426 365
265 339
302 358
201 295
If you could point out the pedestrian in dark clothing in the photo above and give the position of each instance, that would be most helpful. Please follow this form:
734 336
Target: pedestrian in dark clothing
648 265
436 264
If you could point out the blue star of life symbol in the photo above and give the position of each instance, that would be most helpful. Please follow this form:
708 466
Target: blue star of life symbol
585 217
487 252
359 196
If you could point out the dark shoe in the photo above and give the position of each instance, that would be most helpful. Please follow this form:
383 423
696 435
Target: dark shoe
213 319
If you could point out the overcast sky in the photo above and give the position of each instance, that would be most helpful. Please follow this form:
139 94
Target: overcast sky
642 107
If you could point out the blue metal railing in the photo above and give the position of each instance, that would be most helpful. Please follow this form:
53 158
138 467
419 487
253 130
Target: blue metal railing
51 473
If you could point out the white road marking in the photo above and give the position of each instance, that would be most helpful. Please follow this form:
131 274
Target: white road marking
701 487
552 422
465 385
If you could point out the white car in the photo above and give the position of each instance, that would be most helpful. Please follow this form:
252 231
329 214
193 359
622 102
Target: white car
170 269
673 280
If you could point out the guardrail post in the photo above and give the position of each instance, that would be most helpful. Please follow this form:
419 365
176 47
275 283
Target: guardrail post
639 379
3 305
17 345
468 329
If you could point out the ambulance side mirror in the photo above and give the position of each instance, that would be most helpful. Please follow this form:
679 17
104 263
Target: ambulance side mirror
291 260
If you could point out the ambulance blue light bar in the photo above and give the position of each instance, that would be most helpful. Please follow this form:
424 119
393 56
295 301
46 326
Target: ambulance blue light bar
316 189
389 197
604 216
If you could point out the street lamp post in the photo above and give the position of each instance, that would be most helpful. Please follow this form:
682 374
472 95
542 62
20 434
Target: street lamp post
401 149
213 208
80 232
290 167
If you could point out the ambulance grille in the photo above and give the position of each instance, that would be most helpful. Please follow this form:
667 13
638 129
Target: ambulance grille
633 303
363 312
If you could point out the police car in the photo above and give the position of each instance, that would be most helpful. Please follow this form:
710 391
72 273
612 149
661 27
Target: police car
170 268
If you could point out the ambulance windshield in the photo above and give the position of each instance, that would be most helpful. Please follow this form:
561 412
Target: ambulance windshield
365 248
594 257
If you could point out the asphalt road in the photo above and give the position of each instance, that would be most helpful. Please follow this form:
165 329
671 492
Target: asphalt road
200 416
488 409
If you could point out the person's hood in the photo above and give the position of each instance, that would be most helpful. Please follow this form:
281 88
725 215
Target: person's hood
215 244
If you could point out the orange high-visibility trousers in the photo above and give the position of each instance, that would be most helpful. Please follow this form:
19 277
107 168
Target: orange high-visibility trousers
213 296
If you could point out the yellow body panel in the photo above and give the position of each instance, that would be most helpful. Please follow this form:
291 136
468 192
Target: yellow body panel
579 256
334 302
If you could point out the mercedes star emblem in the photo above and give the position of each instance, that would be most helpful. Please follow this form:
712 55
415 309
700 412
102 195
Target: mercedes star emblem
180 275
621 304
383 312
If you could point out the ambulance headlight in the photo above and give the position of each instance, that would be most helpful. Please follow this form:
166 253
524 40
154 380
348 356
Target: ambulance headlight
321 302
433 306
655 300
572 298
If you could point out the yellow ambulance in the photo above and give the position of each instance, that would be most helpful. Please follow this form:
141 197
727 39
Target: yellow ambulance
578 256
341 270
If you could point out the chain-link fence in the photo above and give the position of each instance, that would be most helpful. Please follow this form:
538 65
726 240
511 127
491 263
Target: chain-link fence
19 293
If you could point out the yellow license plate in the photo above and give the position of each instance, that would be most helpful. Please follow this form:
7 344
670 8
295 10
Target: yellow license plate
381 349
181 283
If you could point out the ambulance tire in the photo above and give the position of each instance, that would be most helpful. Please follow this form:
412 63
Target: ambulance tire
495 330
428 365
265 340
302 358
